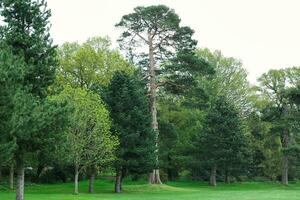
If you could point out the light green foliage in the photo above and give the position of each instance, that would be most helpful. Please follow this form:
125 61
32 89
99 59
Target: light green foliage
229 79
89 65
276 82
88 135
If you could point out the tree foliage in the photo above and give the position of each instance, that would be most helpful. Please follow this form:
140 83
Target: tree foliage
88 137
222 143
89 65
131 123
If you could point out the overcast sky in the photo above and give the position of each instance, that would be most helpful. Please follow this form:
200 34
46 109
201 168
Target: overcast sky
264 34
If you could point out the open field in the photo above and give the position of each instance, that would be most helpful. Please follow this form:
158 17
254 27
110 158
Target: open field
169 191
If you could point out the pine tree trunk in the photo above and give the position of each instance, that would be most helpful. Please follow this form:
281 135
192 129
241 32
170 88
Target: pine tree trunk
118 182
213 174
76 179
11 177
91 181
285 160
154 176
20 180
0 174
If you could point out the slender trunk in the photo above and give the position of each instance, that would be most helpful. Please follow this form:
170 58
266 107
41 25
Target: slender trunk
76 179
285 160
91 181
39 171
227 177
20 179
154 177
118 183
213 174
0 174
284 172
11 177
122 177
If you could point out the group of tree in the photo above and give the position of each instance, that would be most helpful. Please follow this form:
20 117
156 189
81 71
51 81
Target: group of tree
166 110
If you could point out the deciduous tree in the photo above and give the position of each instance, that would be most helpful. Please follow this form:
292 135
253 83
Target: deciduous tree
89 140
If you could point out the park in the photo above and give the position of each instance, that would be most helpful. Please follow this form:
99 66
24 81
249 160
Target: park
136 107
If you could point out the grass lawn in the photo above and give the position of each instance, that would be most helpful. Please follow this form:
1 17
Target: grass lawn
168 191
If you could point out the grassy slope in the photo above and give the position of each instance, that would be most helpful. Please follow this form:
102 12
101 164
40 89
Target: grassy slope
171 191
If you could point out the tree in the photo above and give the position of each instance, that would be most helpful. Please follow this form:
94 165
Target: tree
33 120
89 141
131 122
222 144
157 29
229 79
89 65
11 76
294 94
279 111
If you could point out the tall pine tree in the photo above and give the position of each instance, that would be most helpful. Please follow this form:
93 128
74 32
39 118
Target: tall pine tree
153 37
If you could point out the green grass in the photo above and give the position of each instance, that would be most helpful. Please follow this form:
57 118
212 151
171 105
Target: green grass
168 191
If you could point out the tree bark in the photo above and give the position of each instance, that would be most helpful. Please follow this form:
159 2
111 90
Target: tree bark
11 177
0 174
227 177
76 179
20 179
91 181
213 174
118 182
285 169
285 160
154 177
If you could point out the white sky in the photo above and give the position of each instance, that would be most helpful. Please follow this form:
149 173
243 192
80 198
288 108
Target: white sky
264 34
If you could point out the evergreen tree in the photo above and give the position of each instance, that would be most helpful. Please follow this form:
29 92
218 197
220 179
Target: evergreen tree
223 144
33 121
154 39
131 122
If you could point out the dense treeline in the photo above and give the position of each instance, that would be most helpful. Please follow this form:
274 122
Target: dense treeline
166 111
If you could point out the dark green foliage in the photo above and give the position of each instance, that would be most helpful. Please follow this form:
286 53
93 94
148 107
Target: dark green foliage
33 122
10 79
159 22
131 122
294 95
183 71
26 30
168 154
173 46
222 141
